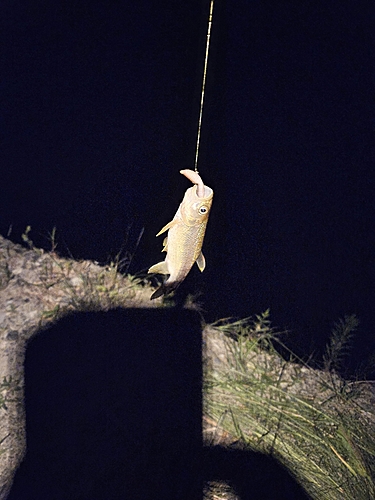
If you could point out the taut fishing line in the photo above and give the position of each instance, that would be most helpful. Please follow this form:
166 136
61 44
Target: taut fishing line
203 84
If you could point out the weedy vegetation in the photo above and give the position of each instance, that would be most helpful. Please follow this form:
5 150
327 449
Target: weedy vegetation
9 390
319 426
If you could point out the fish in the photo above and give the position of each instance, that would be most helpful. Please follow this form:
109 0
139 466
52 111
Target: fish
184 240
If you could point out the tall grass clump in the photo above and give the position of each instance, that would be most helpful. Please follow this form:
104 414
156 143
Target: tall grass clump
319 426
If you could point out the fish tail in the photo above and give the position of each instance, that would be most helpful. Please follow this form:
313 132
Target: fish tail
164 290
158 293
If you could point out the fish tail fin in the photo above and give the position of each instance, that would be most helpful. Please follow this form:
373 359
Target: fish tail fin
164 290
158 293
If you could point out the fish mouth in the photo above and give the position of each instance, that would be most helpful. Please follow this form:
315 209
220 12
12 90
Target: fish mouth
192 194
196 179
207 192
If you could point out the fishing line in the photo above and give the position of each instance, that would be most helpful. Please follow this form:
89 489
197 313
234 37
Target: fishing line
203 84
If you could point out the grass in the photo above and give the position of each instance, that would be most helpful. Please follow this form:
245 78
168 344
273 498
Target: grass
319 426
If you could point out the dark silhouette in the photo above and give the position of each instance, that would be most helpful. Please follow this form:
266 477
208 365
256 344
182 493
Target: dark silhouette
114 411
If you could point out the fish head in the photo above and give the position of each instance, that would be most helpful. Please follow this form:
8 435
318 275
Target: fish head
195 209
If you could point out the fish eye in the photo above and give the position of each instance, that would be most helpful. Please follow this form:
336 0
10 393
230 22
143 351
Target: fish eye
202 210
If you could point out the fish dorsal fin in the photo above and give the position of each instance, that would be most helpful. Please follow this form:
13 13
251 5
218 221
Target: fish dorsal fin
201 262
159 268
167 227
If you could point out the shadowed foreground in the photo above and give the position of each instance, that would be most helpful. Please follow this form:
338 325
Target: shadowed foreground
113 411
114 398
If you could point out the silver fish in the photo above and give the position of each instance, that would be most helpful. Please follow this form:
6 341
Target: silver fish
184 241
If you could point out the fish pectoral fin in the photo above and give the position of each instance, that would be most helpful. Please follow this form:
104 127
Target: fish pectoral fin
201 262
165 244
159 268
167 227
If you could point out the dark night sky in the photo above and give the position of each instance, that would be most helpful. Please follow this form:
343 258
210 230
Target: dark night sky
98 113
99 107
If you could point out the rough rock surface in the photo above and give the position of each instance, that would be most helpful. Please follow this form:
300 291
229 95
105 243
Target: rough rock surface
38 288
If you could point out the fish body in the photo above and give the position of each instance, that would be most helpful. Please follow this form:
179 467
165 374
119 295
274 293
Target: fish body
184 241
